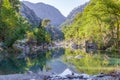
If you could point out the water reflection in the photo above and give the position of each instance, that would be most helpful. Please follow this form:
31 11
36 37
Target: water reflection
12 65
34 62
58 60
91 63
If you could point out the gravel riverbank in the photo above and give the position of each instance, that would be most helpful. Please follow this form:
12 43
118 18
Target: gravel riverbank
66 75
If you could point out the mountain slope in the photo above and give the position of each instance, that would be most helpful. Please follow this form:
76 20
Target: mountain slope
46 11
73 13
30 15
76 10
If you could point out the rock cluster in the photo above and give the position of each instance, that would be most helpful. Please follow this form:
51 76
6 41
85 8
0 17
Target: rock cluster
66 75
69 75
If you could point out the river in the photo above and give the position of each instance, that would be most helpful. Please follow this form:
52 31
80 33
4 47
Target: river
59 59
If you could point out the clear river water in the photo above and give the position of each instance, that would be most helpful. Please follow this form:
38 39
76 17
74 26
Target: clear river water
59 59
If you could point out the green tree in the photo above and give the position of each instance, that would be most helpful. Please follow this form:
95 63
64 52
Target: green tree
45 22
99 23
15 4
42 36
13 26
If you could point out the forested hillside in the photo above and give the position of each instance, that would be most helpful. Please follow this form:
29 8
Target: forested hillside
15 27
77 10
12 25
99 23
70 18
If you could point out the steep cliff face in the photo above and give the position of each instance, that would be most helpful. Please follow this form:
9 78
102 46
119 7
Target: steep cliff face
30 15
46 11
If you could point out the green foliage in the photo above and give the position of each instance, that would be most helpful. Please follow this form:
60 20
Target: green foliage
41 35
30 36
12 25
45 22
17 33
15 4
99 22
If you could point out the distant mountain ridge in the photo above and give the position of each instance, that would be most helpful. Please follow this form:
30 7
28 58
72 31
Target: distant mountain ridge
72 14
46 11
77 10
29 15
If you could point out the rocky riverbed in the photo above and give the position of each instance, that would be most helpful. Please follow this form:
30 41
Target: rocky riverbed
66 75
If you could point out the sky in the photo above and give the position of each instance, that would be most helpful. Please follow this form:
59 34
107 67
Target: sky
64 6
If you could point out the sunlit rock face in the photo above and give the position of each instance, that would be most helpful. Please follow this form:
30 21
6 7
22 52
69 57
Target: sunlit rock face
46 11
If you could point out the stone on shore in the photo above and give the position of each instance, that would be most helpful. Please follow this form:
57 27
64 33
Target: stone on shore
65 75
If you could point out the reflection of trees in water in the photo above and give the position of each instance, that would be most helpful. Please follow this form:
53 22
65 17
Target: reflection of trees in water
57 52
33 61
90 63
12 65
84 62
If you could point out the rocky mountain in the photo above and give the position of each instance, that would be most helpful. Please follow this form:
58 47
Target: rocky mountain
46 11
72 15
30 15
77 10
